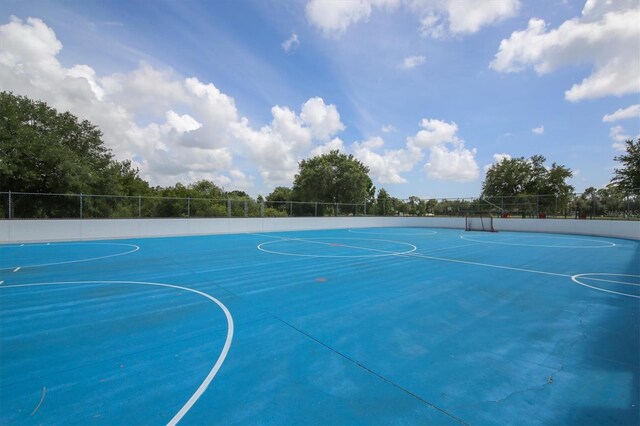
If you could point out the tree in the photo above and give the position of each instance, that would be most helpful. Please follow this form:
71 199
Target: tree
44 151
528 184
280 194
278 202
517 176
332 178
628 176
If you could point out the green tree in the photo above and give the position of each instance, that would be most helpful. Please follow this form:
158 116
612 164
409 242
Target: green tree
383 203
628 176
206 189
527 185
44 151
280 194
332 178
278 201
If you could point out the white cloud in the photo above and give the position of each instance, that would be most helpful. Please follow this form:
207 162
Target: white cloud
605 36
334 17
240 180
182 129
462 16
435 132
291 44
28 44
388 128
456 164
277 148
538 130
145 89
136 111
86 72
411 62
335 144
619 135
448 157
632 111
497 159
182 123
436 18
323 119
388 166
467 17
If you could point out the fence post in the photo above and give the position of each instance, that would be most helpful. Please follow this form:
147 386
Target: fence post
81 205
229 207
316 210
10 206
139 206
246 209
262 209
290 208
188 206
365 207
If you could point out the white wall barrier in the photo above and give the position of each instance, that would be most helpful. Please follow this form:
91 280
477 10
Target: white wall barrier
20 231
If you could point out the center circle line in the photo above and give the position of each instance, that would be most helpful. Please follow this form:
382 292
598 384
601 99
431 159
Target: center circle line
223 354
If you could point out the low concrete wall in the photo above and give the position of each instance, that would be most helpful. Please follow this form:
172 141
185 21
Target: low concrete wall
606 228
79 229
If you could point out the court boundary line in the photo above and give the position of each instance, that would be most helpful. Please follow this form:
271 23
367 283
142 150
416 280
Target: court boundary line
465 237
221 358
429 232
16 269
385 252
575 277
488 265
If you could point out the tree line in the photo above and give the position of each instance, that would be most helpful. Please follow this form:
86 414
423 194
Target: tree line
43 151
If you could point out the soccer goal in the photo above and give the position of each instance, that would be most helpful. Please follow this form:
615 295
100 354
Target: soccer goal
479 223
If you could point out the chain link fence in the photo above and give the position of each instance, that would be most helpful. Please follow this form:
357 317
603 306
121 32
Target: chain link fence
593 205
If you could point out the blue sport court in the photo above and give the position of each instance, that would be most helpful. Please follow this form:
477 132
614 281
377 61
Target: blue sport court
412 326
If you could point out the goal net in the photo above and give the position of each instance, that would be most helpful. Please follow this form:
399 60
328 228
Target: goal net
479 223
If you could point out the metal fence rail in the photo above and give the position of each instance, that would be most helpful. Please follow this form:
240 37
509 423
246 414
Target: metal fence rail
21 205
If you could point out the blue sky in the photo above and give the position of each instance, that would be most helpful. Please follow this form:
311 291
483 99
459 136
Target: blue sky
425 93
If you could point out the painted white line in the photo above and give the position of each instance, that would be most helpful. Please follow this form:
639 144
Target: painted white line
44 392
314 241
612 281
216 367
1 282
487 241
575 279
17 269
508 268
426 232
135 248
488 265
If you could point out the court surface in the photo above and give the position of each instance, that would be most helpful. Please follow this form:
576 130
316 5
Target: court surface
361 326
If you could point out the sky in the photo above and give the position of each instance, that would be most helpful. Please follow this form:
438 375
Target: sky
427 94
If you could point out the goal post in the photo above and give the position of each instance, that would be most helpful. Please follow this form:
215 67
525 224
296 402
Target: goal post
481 222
